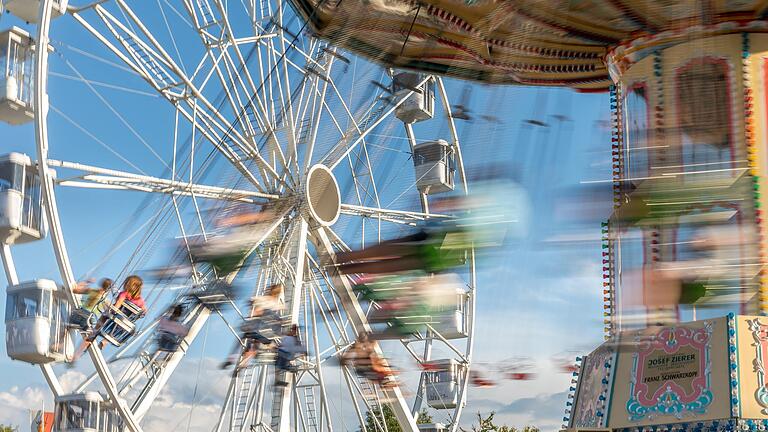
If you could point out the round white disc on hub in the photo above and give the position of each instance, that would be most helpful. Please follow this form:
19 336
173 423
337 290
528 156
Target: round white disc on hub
322 195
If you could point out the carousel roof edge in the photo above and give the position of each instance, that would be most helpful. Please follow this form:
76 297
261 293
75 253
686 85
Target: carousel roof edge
527 42
462 61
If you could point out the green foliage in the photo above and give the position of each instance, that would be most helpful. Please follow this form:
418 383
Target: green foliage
487 425
389 419
8 428
424 418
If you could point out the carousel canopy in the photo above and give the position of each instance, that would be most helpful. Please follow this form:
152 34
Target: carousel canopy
537 42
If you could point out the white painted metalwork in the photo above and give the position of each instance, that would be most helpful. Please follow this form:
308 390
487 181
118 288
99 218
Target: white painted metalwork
36 316
435 166
27 10
85 412
17 51
21 212
420 104
272 116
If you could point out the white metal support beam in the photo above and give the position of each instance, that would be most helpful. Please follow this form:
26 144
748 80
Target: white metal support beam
210 122
51 207
359 321
324 409
343 148
282 394
96 177
142 405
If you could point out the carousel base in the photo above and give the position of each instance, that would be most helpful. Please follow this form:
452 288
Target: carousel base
719 425
706 375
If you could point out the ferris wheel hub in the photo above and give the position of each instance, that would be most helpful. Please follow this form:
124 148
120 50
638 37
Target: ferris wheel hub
322 196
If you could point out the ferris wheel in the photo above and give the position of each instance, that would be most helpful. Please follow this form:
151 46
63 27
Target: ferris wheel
245 108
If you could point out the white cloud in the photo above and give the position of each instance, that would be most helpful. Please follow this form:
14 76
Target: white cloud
16 403
519 313
543 410
196 389
70 380
168 415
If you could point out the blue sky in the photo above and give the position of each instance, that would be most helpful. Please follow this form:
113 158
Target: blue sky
536 298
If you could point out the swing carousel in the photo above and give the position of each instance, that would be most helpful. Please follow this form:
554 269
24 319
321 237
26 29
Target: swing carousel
686 84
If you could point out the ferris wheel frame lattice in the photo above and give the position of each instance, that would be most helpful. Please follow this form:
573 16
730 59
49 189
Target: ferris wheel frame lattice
310 205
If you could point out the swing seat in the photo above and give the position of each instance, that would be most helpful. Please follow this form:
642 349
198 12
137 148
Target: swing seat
265 357
382 378
119 325
82 319
167 341
287 361
261 329
214 294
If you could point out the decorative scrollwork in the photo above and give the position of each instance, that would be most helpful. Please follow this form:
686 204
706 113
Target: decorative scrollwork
670 345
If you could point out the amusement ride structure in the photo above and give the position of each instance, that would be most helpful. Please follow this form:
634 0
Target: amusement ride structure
262 114
687 92
687 83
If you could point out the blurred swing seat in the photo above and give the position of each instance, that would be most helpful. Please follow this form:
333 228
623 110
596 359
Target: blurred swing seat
264 329
167 341
119 325
82 319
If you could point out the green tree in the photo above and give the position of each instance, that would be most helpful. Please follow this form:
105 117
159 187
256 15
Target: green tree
389 419
486 424
424 418
8 428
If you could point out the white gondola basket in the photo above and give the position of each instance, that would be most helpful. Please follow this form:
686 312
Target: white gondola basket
22 215
443 383
420 105
28 10
36 323
86 412
434 166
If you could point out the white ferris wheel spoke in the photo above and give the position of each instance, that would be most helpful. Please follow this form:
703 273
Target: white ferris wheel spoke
281 419
339 346
51 207
284 98
234 73
344 147
103 178
142 57
315 115
120 354
396 216
327 309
